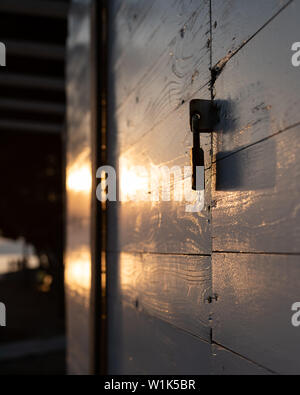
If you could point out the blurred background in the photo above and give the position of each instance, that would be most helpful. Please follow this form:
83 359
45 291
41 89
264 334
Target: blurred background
32 125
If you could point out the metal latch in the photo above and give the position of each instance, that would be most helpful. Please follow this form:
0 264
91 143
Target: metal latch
203 118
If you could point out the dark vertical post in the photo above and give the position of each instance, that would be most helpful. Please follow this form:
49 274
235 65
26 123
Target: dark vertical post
98 232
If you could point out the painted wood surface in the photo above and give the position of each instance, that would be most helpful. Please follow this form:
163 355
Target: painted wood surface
252 315
160 62
234 22
141 344
255 178
166 47
257 197
162 226
165 63
173 288
225 362
258 89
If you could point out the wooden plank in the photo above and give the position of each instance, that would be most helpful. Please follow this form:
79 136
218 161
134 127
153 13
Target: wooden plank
161 75
163 226
175 32
139 344
172 288
258 90
252 315
165 65
256 201
236 21
225 362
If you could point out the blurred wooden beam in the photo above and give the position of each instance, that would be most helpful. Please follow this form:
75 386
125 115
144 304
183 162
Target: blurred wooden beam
45 8
33 82
32 106
30 127
31 49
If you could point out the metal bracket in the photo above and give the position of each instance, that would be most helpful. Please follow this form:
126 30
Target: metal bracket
203 118
208 113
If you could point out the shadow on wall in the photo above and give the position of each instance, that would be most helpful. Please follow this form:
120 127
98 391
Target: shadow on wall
242 169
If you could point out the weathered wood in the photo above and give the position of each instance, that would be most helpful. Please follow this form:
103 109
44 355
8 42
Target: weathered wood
140 344
162 226
252 315
256 201
258 89
160 62
173 288
234 22
225 362
166 48
165 64
161 78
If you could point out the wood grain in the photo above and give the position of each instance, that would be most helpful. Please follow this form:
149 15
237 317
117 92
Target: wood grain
258 89
256 197
145 226
140 344
165 63
172 34
236 21
252 315
172 288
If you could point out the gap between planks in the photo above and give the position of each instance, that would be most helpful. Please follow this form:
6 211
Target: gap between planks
256 142
257 253
222 62
155 125
156 253
146 313
245 358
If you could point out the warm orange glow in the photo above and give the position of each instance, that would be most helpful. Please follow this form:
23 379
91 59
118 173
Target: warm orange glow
134 182
154 183
79 178
78 269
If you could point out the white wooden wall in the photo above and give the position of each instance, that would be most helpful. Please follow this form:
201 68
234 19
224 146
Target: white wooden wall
159 262
163 263
255 217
